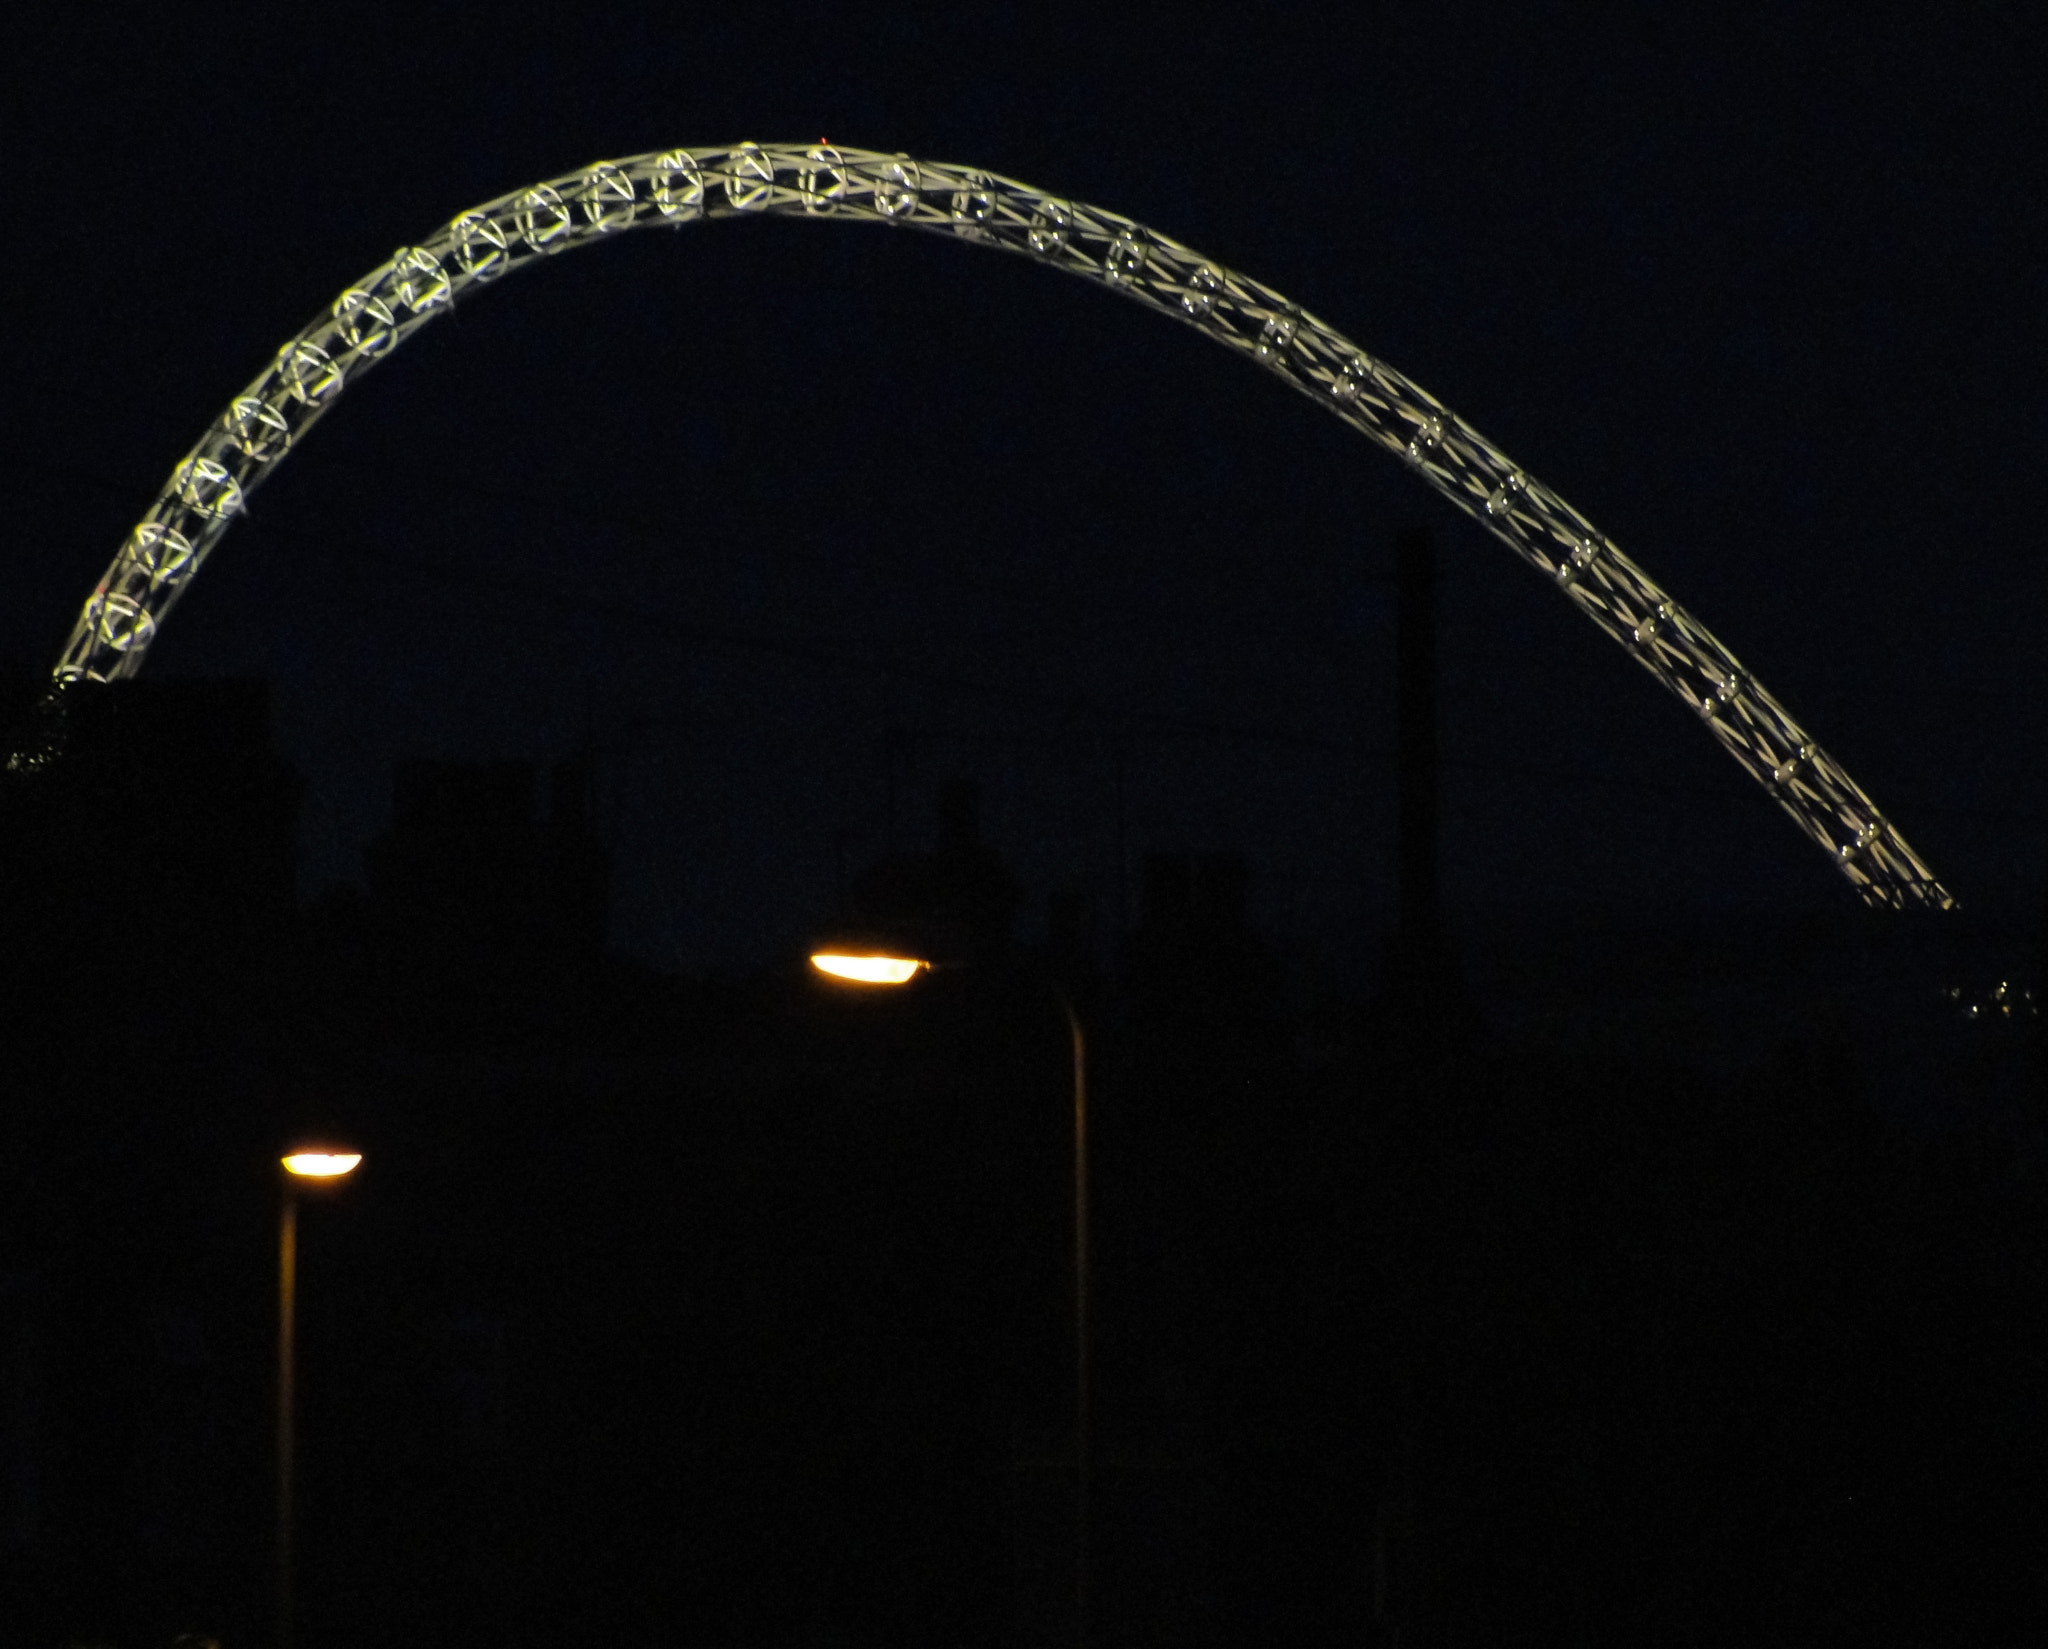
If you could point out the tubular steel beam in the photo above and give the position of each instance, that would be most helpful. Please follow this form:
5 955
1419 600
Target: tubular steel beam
370 319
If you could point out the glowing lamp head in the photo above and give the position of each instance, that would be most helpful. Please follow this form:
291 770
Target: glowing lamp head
869 970
321 1164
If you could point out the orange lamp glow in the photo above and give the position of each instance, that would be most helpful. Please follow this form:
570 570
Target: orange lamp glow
869 970
321 1164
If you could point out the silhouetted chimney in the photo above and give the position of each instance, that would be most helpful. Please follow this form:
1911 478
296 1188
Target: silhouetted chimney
1415 739
576 864
1217 892
1165 892
959 816
1422 984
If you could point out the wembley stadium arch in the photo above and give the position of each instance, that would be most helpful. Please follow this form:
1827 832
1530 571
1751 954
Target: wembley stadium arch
420 283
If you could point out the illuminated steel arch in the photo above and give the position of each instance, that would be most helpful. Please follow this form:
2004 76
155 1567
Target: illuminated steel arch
369 320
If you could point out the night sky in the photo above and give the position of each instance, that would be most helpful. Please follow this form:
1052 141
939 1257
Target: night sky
789 524
794 521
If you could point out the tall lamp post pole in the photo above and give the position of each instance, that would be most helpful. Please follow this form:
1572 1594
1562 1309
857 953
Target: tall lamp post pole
319 1167
287 1304
883 969
1081 1347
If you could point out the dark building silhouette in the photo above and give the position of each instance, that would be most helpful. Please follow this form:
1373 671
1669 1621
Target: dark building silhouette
956 895
741 1314
1193 959
163 842
486 913
147 896
1070 939
471 862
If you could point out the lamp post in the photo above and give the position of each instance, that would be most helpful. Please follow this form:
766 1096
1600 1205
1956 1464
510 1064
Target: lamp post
301 1167
882 968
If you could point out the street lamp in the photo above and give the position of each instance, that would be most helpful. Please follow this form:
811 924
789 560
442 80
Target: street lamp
869 969
304 1169
879 967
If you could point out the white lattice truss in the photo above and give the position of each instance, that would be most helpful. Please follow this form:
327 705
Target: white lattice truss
369 320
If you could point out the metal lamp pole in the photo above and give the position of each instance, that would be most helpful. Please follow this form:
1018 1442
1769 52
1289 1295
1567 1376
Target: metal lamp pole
300 1165
287 1303
881 968
1081 1349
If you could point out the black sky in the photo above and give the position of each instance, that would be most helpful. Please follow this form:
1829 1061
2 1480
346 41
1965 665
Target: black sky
1760 293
